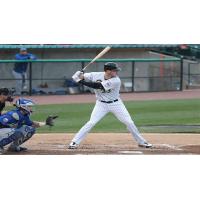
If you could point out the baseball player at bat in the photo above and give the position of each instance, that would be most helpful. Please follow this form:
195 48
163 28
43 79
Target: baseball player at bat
106 86
16 127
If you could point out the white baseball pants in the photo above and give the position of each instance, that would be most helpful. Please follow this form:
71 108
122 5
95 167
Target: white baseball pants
100 110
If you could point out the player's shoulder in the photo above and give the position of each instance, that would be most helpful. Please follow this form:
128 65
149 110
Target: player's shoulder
116 79
94 75
8 116
97 73
18 55
14 114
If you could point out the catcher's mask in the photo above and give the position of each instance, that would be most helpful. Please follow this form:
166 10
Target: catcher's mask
26 105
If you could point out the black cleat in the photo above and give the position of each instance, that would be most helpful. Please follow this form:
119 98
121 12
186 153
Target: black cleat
16 149
145 145
73 145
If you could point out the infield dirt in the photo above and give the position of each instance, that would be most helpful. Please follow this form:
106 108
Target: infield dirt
113 143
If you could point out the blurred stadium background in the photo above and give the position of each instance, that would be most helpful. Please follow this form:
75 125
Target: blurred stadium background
145 67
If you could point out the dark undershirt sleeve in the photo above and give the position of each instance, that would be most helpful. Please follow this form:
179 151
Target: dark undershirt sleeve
92 84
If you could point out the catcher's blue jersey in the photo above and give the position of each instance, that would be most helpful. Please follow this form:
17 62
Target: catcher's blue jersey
15 117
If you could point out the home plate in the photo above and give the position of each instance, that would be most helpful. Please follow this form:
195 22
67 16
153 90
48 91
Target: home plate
130 152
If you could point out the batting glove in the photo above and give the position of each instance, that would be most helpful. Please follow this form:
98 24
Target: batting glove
76 76
78 73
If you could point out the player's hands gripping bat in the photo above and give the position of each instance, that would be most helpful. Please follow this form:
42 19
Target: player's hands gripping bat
50 120
77 76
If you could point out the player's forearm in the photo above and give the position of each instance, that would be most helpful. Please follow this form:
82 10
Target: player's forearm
93 85
38 124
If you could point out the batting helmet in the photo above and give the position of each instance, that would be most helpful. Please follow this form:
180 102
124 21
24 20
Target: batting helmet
111 66
25 104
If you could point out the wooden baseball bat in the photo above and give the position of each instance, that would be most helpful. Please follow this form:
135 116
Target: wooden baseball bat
97 57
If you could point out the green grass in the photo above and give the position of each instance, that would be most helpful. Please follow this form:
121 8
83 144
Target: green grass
160 112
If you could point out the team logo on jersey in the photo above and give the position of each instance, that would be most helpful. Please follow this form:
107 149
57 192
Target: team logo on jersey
103 90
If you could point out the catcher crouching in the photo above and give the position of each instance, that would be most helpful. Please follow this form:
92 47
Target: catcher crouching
16 127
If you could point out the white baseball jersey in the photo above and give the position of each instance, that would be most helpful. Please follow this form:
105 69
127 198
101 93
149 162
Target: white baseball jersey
111 86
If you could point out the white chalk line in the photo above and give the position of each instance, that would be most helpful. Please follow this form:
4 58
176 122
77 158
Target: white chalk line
166 146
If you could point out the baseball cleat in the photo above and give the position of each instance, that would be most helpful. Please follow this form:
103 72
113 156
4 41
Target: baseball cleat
73 145
19 149
145 145
16 149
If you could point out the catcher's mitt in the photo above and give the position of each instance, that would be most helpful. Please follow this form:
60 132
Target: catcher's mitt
50 120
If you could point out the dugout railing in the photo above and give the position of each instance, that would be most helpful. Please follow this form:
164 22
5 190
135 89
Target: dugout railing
138 75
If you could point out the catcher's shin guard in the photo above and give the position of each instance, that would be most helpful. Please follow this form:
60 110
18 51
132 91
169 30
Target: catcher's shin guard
6 136
25 133
13 137
16 136
5 141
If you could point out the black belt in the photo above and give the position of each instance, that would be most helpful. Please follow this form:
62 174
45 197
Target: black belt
110 101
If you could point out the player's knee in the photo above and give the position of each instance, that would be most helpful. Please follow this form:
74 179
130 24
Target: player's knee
29 130
17 135
23 134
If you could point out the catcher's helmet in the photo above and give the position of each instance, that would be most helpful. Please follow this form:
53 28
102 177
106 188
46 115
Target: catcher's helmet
25 104
111 66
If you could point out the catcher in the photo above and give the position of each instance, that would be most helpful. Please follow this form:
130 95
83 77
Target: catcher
16 127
